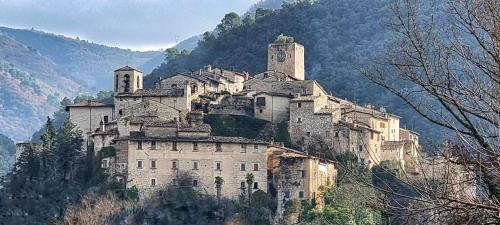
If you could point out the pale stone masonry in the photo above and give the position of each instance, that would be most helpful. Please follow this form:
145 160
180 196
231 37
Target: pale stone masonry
158 132
297 175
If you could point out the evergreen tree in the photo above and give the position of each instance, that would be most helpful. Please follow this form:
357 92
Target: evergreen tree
68 150
46 155
28 163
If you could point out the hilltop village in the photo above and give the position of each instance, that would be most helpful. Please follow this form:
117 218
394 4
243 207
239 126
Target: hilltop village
159 133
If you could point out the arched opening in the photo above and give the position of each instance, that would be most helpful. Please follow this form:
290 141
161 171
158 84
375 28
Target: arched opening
127 83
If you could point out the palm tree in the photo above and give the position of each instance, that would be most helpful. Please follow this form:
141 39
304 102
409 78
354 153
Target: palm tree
249 178
218 186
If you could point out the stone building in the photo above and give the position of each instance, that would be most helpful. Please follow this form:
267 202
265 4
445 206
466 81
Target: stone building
272 106
312 119
161 151
297 175
129 91
287 58
88 115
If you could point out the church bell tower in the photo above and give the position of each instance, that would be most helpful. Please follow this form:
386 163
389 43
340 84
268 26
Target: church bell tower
287 58
127 80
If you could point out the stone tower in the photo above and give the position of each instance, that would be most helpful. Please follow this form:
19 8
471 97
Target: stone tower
287 58
127 80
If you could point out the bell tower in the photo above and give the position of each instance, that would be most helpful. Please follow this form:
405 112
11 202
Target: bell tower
287 58
127 80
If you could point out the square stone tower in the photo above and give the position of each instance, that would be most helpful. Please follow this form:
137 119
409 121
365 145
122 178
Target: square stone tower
287 58
127 80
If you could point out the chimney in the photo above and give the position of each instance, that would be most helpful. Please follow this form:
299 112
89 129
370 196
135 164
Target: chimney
382 109
102 126
199 73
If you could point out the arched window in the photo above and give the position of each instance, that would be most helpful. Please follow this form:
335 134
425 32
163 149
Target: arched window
127 83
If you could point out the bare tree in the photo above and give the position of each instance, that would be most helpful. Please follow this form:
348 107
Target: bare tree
445 63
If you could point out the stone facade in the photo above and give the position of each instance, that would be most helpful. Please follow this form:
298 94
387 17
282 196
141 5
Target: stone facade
287 58
272 106
296 175
88 115
159 153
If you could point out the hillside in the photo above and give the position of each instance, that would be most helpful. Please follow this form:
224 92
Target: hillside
31 88
90 62
7 154
340 37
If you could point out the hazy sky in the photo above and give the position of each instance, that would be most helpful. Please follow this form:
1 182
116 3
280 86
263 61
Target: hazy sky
135 24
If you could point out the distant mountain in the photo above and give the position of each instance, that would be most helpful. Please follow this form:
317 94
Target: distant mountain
86 61
31 88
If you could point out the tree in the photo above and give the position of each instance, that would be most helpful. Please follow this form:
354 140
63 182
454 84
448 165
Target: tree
171 54
28 163
229 22
48 141
446 59
68 150
218 186
249 179
284 39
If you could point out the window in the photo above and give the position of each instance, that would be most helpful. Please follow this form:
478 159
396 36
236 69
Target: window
287 194
195 146
255 185
301 194
218 165
174 165
153 182
261 101
382 125
243 148
255 167
336 134
242 167
260 110
218 147
153 164
104 163
299 120
256 147
153 145
139 145
195 165
299 105
371 135
360 148
195 183
139 164
174 146
308 134
327 133
120 112
106 119
303 173
242 185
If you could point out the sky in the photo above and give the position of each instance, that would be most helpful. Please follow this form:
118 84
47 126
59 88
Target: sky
134 24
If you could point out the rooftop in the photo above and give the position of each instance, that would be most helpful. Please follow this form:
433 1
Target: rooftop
127 68
141 136
88 103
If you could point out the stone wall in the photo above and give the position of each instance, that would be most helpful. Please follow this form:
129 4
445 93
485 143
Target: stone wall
206 157
276 108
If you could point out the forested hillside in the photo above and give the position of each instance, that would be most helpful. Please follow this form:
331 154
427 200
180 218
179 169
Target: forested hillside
30 89
90 62
340 38
7 154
